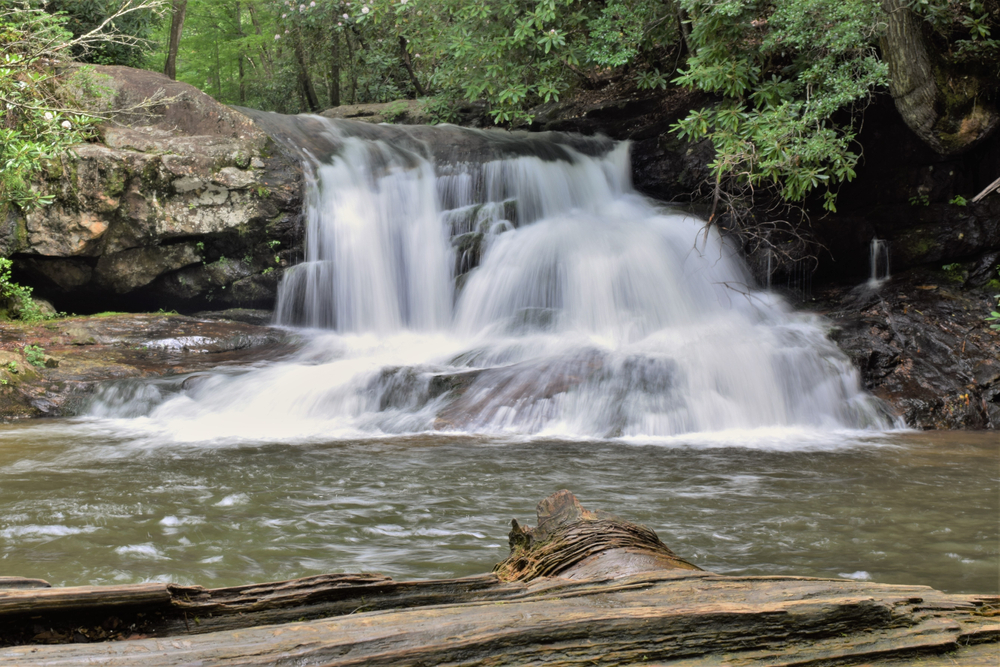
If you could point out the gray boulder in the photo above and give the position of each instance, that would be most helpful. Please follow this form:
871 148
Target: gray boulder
178 183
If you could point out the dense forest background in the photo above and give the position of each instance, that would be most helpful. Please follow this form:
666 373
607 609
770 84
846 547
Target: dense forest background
787 80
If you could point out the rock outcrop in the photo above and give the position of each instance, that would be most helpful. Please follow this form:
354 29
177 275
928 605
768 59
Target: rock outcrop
922 345
50 369
183 202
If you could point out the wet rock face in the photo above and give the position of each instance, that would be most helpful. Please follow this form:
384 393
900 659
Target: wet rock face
922 345
49 369
178 183
663 166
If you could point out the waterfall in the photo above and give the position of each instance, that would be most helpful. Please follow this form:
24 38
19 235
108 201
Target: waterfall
376 254
500 283
878 262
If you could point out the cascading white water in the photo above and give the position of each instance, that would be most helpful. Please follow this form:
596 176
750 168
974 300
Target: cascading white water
593 312
878 262
376 255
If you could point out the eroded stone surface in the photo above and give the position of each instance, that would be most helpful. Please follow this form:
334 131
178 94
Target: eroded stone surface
81 352
179 179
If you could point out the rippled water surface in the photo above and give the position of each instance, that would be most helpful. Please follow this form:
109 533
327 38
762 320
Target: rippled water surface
82 504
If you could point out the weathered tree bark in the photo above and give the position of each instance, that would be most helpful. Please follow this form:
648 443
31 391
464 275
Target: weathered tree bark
621 597
575 543
949 121
176 27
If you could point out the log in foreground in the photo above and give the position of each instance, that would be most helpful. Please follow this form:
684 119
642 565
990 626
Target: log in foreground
580 588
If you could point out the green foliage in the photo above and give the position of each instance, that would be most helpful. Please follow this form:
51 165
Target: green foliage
650 80
512 54
994 316
954 272
135 22
621 32
783 68
958 200
920 199
439 110
394 111
34 355
33 125
18 297
966 27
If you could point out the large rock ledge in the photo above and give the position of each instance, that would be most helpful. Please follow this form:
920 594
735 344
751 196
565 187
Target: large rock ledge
184 203
921 344
612 594
51 368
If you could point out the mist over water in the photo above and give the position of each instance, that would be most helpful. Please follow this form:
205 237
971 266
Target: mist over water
582 308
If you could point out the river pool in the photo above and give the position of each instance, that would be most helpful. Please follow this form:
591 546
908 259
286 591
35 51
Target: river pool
82 503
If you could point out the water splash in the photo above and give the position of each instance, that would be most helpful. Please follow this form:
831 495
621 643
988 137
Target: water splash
878 262
484 282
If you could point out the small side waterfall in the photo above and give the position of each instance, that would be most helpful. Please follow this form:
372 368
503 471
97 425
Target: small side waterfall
878 262
489 282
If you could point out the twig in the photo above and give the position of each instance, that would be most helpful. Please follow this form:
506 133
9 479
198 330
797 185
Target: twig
989 188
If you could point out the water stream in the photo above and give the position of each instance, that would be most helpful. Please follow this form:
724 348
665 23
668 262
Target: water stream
485 319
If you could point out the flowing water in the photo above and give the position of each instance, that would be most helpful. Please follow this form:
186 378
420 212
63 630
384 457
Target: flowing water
90 503
485 319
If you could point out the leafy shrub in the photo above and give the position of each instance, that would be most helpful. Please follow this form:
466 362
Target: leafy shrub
35 355
33 124
18 297
783 69
134 23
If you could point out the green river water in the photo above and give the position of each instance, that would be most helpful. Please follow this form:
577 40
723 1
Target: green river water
80 504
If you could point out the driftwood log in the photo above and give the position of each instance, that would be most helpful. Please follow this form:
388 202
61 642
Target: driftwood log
580 588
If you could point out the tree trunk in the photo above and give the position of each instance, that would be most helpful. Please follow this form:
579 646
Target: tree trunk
265 55
409 68
951 121
335 69
217 75
305 82
353 74
176 27
241 55
683 28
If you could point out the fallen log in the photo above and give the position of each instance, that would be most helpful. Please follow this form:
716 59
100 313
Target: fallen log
575 543
579 588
